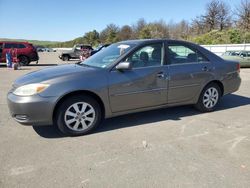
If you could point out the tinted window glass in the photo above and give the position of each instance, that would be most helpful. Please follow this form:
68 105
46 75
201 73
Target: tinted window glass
150 55
179 54
9 45
21 46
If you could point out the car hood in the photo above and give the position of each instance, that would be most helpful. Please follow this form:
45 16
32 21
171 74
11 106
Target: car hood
52 73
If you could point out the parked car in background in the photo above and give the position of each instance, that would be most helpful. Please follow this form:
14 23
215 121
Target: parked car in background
126 77
99 48
44 49
26 52
39 48
243 57
75 52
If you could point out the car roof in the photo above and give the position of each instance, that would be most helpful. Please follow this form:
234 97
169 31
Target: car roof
17 42
142 41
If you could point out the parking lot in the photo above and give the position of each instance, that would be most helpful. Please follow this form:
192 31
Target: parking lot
175 147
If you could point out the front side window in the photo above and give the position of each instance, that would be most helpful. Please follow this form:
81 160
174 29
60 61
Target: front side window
150 55
21 46
180 54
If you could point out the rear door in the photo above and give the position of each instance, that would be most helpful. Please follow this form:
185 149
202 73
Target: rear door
188 70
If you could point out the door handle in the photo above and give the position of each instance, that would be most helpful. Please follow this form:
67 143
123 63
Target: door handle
161 75
205 69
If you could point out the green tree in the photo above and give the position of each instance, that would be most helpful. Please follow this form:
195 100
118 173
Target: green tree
145 33
91 38
109 34
234 36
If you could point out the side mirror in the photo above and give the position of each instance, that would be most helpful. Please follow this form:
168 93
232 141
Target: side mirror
124 66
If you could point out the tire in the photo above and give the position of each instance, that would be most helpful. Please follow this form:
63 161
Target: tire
72 120
24 60
209 98
65 58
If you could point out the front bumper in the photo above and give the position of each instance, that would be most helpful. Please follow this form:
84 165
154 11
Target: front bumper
32 110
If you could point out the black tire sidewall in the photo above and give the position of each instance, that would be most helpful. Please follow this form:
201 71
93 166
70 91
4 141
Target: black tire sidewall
59 120
200 105
26 58
65 58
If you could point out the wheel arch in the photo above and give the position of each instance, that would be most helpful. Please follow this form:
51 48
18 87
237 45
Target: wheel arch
23 55
80 92
219 83
68 55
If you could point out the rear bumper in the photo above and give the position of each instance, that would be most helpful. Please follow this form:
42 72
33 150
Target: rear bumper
232 83
33 110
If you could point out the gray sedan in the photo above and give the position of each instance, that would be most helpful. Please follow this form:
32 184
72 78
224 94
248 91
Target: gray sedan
126 77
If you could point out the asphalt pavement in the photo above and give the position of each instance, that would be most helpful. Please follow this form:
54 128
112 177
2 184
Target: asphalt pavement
174 147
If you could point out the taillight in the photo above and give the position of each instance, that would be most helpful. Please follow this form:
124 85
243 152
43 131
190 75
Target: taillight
238 67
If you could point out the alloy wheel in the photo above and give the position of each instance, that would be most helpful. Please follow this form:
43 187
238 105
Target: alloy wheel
210 97
79 116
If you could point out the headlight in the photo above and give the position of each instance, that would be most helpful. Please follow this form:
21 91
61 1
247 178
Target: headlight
30 89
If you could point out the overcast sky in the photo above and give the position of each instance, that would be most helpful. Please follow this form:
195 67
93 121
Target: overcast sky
61 20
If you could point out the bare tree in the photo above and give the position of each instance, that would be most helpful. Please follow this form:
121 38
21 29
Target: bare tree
197 26
140 24
212 14
243 14
159 29
224 16
125 33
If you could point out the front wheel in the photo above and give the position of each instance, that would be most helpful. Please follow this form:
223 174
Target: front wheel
78 115
209 98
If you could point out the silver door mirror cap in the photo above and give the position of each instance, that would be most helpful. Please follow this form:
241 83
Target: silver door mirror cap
124 66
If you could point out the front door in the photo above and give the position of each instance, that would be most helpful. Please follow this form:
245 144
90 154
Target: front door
188 71
145 85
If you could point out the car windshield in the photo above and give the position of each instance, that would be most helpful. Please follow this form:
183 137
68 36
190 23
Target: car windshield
108 55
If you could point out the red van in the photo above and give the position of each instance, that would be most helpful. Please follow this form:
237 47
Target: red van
26 52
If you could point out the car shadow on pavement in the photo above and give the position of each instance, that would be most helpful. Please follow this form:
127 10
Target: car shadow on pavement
142 118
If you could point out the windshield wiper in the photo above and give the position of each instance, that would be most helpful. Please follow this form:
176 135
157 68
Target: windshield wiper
82 64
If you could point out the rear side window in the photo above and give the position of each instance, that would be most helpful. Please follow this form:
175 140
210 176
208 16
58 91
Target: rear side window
180 54
10 45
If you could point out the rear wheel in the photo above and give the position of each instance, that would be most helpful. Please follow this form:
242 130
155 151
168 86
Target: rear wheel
24 60
78 115
209 98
